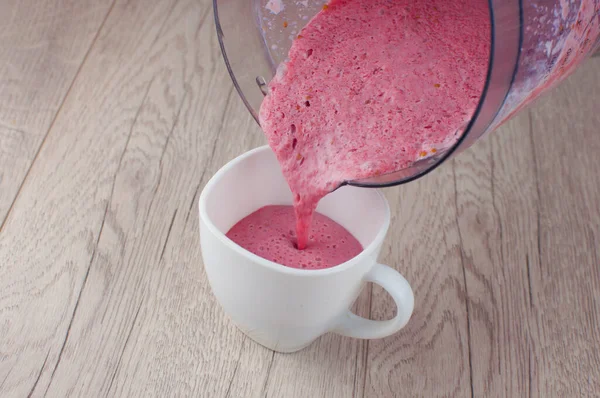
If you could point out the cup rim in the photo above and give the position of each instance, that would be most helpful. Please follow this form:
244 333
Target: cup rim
204 217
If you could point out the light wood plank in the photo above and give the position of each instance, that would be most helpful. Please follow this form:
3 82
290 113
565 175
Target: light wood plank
50 239
430 357
42 46
566 134
497 207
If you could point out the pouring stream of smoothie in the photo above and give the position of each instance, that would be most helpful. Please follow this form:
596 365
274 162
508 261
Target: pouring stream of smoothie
371 86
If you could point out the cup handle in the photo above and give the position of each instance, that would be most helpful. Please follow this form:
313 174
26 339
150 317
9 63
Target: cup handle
352 325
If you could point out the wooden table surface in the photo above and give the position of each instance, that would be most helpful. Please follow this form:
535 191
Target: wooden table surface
113 116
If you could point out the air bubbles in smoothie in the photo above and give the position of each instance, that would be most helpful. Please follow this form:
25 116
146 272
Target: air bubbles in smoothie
276 240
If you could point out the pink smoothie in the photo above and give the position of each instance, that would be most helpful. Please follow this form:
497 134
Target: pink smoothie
270 233
371 86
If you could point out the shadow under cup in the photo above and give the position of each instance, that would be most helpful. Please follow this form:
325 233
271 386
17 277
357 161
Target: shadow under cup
283 308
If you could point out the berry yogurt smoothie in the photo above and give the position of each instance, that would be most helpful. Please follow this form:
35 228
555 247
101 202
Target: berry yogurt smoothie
371 86
269 233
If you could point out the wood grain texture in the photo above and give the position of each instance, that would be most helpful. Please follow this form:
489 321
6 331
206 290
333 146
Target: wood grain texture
527 221
42 47
102 289
567 291
496 202
430 357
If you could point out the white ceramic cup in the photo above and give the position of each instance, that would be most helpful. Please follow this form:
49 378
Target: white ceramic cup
285 309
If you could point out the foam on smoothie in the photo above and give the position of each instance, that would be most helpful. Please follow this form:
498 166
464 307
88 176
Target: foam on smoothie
270 233
371 86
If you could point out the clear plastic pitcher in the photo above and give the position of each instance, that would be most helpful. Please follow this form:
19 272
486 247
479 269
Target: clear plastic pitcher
535 44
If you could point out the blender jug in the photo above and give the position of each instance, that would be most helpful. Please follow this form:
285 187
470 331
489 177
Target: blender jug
535 44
